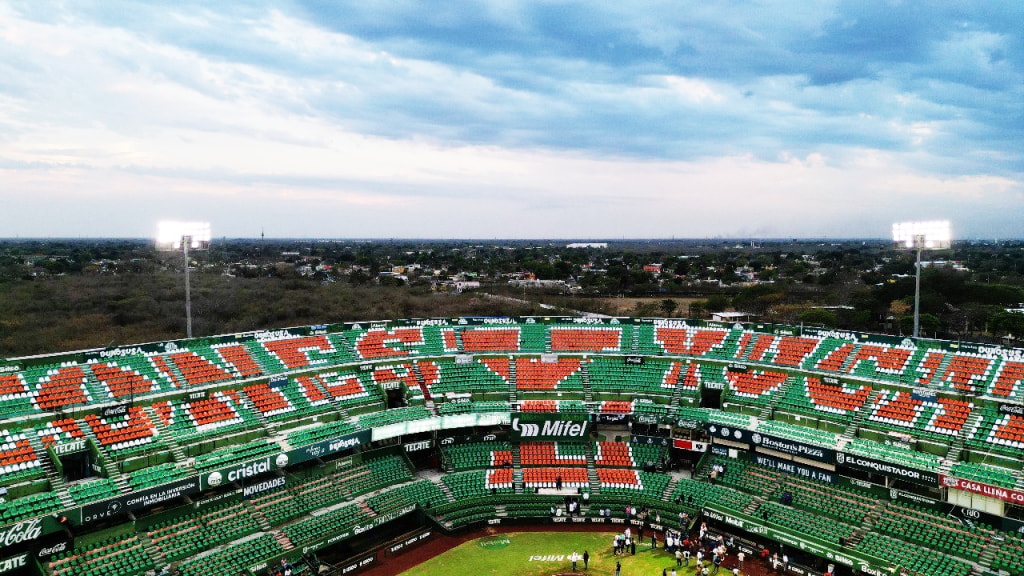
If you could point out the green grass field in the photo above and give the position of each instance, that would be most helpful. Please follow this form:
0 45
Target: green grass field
537 554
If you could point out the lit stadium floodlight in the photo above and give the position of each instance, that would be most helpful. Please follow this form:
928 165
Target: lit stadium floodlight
920 236
184 236
171 236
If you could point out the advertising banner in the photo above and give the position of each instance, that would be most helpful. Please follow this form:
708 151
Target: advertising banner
650 440
14 564
527 426
454 439
690 445
115 410
250 469
795 469
865 464
776 443
975 487
97 511
328 447
28 530
1014 409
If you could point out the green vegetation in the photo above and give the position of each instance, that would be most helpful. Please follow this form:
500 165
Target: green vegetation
68 294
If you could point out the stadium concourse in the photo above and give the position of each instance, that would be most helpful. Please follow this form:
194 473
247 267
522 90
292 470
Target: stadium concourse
336 448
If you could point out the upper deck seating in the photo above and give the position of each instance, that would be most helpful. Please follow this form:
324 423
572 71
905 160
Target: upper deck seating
483 339
586 339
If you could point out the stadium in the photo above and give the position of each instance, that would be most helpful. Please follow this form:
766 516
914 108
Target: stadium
370 447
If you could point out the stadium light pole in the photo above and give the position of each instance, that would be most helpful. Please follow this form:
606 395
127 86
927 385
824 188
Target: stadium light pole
175 236
920 236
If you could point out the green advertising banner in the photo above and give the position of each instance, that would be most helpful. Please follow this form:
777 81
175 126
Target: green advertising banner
328 447
250 469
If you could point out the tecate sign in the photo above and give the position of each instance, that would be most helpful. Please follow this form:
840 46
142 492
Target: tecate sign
559 428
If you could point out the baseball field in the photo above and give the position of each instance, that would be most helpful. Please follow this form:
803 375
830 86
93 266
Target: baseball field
544 554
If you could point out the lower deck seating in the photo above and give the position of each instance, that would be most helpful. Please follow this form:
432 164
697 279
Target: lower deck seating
552 477
478 455
187 535
116 556
332 522
246 553
914 560
917 525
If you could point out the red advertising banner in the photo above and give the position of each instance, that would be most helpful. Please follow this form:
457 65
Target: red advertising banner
975 487
691 446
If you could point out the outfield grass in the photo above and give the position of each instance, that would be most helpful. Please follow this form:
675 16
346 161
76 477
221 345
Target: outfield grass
516 555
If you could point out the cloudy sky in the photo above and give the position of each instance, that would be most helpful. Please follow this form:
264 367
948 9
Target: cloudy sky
511 119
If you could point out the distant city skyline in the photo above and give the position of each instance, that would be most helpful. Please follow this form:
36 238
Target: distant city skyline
511 120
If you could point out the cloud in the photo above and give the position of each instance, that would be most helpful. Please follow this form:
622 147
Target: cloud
349 118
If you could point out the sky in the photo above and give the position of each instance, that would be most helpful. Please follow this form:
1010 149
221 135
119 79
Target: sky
511 119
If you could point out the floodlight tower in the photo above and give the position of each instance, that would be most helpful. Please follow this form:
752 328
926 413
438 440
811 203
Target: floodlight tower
174 236
921 236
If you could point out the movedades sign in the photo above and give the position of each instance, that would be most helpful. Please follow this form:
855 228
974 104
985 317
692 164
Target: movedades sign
525 427
245 470
865 464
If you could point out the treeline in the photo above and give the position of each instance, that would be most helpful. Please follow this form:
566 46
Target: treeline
74 312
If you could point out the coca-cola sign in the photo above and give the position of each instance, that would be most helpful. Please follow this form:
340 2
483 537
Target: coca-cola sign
24 531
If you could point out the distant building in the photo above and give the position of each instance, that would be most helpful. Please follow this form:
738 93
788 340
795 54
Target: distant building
652 268
587 245
731 316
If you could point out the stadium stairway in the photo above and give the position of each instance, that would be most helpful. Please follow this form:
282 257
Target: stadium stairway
845 367
1020 480
57 483
634 344
547 341
588 392
753 505
517 470
166 436
458 342
861 415
267 425
512 380
155 553
261 520
943 366
105 461
428 400
666 494
955 449
777 396
592 478
988 553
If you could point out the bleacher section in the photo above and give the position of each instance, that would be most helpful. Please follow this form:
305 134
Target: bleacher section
153 415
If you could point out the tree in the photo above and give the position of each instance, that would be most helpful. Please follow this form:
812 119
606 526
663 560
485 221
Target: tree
818 317
668 306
